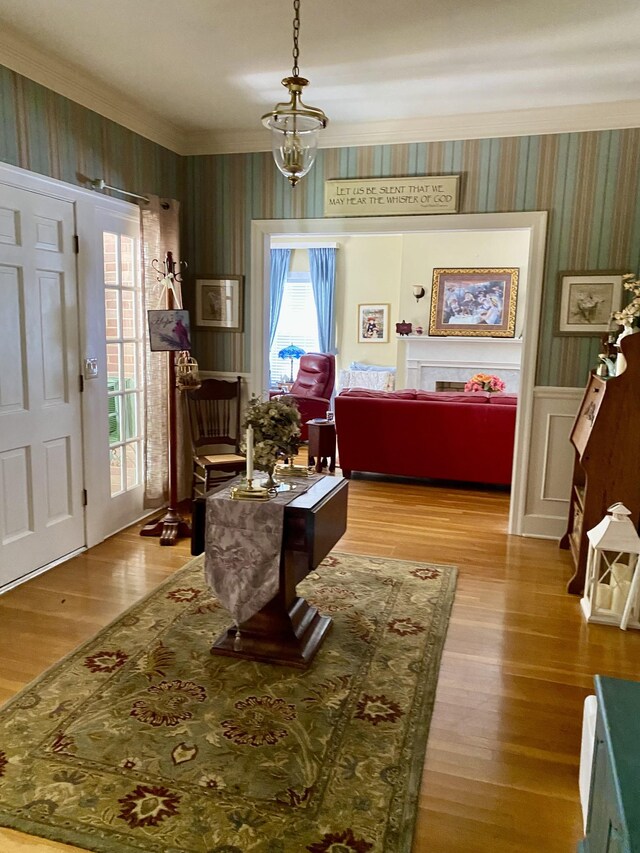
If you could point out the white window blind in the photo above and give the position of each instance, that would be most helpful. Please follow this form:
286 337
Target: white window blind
297 324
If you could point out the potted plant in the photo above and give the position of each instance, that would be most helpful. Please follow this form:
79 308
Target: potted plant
276 431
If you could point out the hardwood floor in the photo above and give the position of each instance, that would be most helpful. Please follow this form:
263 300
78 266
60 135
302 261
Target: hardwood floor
501 771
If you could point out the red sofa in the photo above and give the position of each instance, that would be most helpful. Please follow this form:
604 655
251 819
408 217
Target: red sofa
439 435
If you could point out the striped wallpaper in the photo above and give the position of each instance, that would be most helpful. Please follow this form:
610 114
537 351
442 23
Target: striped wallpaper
589 183
49 134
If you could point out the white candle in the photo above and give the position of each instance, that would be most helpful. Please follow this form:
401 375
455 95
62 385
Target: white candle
621 572
619 596
603 596
249 452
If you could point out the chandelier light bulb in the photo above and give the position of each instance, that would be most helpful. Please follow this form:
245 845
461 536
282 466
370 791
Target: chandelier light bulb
292 152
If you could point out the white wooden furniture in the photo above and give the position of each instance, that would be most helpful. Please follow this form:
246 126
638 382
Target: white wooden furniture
611 585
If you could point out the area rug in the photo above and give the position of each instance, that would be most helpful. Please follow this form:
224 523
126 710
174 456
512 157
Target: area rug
141 740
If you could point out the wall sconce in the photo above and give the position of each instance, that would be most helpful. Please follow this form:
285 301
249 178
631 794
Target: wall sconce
418 291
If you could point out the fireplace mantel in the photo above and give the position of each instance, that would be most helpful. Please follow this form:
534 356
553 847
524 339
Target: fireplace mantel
455 359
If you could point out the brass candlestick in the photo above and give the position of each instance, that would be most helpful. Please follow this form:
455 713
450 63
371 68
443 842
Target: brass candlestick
249 493
291 470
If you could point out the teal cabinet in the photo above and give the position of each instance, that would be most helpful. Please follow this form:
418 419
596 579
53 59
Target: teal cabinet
613 820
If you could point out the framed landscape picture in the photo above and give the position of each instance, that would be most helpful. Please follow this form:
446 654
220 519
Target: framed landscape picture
586 301
474 302
219 302
373 323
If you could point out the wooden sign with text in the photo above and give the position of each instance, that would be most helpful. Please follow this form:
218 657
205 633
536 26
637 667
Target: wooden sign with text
391 196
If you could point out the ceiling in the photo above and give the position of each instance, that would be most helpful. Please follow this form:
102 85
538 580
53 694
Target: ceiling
196 75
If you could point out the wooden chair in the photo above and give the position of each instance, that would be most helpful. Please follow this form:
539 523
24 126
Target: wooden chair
214 423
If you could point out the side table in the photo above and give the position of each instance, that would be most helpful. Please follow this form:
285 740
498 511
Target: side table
322 444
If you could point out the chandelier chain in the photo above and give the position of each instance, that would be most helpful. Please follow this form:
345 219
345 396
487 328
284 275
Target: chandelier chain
294 125
296 33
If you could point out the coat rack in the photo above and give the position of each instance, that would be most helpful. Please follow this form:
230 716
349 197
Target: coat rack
171 526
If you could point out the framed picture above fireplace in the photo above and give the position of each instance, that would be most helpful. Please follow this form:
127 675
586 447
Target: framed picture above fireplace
474 302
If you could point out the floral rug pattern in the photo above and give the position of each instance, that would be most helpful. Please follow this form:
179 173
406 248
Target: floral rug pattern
141 740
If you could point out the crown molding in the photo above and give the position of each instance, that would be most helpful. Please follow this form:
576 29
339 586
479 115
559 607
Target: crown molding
75 83
546 120
227 141
78 85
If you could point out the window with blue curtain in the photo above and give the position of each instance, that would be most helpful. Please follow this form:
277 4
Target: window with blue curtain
297 324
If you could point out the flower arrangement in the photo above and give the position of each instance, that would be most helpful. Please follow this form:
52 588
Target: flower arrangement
485 382
276 430
630 314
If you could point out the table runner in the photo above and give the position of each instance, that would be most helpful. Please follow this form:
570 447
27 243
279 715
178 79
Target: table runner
243 544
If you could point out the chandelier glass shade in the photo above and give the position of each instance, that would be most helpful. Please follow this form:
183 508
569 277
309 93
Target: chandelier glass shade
294 126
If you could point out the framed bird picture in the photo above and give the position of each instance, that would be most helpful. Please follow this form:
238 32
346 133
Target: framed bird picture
169 330
219 302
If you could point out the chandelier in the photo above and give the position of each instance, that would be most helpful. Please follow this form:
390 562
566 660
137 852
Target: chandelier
294 126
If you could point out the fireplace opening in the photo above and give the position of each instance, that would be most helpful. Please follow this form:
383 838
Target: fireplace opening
449 386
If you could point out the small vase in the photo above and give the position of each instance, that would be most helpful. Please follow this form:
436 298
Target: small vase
273 485
270 484
621 361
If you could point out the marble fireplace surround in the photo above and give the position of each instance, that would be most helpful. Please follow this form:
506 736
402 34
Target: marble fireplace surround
428 360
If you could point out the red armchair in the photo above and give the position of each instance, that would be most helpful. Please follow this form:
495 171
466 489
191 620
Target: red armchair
313 387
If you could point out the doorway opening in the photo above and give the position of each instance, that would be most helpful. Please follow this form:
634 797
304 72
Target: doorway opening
533 224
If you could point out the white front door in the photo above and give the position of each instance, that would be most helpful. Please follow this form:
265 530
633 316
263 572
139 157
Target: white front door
114 401
41 474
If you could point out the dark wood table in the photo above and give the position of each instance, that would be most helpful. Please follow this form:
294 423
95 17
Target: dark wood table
288 630
322 444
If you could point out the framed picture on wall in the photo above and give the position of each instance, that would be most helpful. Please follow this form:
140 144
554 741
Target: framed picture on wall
586 301
219 302
373 323
474 302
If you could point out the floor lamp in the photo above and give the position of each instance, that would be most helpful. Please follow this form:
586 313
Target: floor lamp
171 526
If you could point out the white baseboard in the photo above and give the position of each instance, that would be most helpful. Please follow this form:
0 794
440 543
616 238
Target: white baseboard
544 526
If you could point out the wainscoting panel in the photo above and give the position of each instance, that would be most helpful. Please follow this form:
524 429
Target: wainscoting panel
550 461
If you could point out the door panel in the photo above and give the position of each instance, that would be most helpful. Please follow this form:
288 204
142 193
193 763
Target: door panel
41 477
17 504
12 384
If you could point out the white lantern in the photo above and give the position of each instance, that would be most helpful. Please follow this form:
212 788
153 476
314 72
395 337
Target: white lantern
612 577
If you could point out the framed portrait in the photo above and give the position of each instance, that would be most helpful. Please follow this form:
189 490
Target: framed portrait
219 302
169 330
586 301
373 324
474 302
